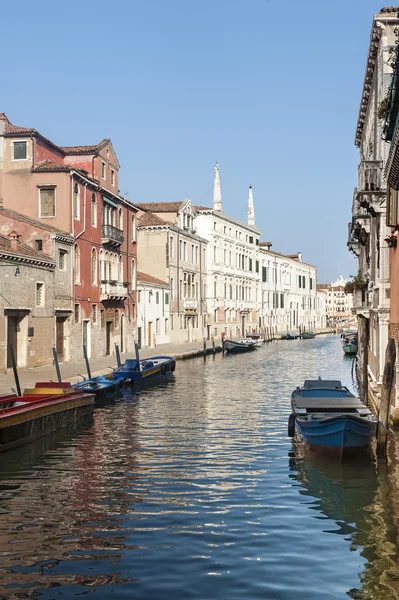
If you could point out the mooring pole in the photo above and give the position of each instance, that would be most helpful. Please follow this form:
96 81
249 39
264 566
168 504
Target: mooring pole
118 355
14 368
213 345
56 364
385 403
87 361
136 349
204 348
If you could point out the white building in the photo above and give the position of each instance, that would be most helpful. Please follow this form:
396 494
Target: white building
232 268
153 311
338 303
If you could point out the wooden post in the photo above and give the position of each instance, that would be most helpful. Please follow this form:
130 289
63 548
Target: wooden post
86 361
385 403
14 368
204 348
57 366
364 348
136 349
118 356
213 345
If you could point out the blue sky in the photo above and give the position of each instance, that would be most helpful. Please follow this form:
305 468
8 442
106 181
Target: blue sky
268 88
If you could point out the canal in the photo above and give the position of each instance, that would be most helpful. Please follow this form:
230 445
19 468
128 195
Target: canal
194 491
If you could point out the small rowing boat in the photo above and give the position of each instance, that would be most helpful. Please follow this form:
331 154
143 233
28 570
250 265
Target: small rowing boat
147 370
244 345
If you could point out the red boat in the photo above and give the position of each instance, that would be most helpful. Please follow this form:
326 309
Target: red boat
42 409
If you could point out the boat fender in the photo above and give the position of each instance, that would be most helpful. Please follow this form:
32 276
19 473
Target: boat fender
173 366
291 425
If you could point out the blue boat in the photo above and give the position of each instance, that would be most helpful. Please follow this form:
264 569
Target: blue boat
291 335
100 385
146 370
330 419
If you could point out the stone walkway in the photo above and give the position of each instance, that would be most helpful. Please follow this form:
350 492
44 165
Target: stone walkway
74 371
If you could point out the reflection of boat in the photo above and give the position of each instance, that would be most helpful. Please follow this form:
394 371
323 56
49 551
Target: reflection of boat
343 489
42 409
239 346
256 338
308 335
330 419
147 370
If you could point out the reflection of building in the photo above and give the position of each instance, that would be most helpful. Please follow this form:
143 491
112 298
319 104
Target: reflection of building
172 251
75 189
338 303
153 315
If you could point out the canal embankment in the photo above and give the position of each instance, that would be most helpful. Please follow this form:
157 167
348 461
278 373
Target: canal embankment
76 370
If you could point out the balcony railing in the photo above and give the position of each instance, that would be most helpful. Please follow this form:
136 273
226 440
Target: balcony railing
190 304
112 290
111 235
370 175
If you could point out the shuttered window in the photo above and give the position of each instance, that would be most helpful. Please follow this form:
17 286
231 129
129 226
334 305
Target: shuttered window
392 207
47 202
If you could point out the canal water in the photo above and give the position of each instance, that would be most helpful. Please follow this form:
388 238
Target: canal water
192 490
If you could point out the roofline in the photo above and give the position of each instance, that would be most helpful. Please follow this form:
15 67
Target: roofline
49 263
387 15
218 213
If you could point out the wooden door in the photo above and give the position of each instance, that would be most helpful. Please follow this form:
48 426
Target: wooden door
108 331
59 337
12 329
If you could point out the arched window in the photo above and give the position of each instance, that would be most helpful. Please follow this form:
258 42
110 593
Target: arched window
107 267
93 210
120 271
76 256
76 201
93 266
120 219
103 275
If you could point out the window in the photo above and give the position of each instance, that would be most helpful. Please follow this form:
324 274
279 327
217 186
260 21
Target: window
77 313
94 313
133 228
157 297
264 274
93 267
150 298
120 219
20 151
300 281
102 318
250 264
62 260
251 239
103 170
158 326
77 264
39 245
171 247
76 201
40 294
93 210
139 296
257 266
166 325
133 274
185 251
310 283
166 298
47 202
112 177
282 300
172 289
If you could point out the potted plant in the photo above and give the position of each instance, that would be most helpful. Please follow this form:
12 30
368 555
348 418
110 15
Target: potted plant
359 282
349 287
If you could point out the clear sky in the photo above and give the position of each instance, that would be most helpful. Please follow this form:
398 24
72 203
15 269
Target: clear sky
268 88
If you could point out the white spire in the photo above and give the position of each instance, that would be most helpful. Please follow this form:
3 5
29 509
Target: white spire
217 194
251 211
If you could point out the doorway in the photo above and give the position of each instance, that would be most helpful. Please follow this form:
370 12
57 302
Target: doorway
150 334
60 337
12 340
108 334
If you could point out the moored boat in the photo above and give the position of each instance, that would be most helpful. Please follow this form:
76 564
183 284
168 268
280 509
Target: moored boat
244 345
256 338
349 342
330 419
291 335
308 335
40 410
103 384
146 370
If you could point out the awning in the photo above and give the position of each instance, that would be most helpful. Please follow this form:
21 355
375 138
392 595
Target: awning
111 202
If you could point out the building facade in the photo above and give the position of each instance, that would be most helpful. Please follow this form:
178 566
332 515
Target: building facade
339 303
171 250
368 229
75 189
153 311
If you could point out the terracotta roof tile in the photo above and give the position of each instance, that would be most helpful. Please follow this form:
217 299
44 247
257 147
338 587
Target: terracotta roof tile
12 214
199 208
76 150
50 165
148 219
160 206
23 250
145 278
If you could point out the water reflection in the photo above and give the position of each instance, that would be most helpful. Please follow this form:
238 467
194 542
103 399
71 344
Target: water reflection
193 490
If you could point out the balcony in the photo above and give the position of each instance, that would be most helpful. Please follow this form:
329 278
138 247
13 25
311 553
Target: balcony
111 235
112 290
190 304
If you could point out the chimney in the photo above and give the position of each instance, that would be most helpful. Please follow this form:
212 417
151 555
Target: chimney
300 256
268 245
14 240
